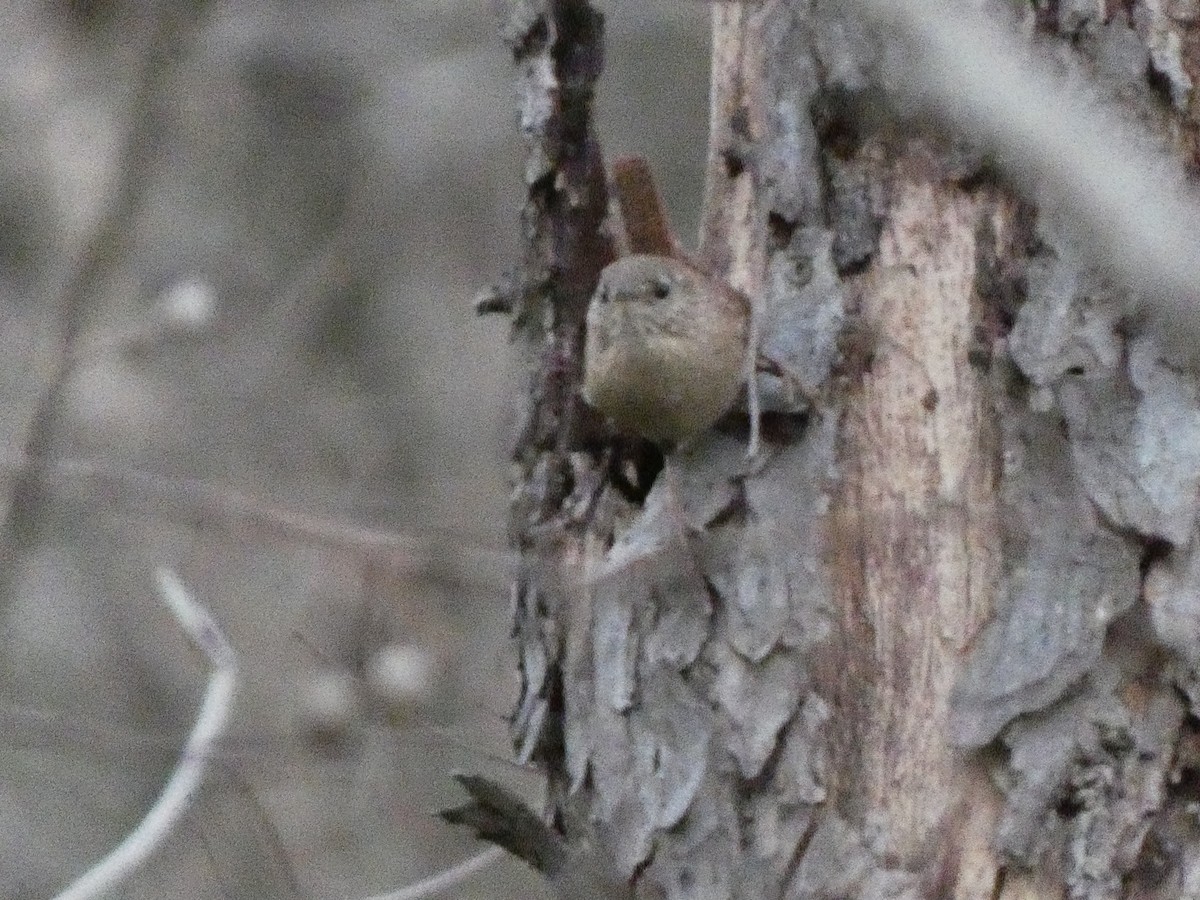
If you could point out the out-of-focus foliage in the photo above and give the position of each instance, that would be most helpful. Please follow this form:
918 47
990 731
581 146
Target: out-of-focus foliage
275 384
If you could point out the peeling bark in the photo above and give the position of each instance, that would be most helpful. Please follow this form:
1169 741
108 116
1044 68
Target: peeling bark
917 549
942 641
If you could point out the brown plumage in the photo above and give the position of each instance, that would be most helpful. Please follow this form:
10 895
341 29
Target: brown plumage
666 347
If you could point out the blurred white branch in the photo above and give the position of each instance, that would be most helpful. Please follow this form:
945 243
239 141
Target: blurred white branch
1102 180
181 788
446 879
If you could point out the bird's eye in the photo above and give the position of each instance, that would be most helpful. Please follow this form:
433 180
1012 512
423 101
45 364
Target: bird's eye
661 288
602 294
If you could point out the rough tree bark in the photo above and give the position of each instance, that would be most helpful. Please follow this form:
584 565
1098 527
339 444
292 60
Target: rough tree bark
944 642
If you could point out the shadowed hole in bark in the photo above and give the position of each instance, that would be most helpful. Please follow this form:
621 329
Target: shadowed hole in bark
775 426
541 190
633 467
779 230
1154 550
578 44
979 358
533 40
739 124
561 482
735 156
1159 83
779 427
856 266
998 887
983 176
1068 805
734 165
1186 786
551 746
843 117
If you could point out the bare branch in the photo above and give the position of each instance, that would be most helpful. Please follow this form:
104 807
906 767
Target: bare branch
446 879
181 787
192 500
161 31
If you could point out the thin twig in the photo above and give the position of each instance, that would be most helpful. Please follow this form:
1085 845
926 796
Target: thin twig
193 500
446 879
181 788
162 30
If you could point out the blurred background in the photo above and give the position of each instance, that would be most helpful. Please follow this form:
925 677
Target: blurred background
238 245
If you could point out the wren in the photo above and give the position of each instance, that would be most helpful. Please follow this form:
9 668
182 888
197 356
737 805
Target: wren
667 348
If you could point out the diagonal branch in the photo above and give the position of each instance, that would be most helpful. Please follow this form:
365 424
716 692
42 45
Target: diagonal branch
162 32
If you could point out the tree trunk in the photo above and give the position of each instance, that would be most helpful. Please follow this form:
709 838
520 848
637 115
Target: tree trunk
942 641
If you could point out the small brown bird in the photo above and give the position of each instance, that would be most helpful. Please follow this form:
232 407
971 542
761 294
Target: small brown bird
666 350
